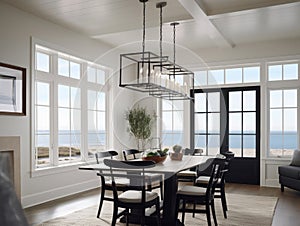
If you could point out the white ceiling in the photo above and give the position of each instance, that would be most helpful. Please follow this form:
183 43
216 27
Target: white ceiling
204 23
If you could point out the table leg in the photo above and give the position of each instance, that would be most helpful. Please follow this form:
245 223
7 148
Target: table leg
170 190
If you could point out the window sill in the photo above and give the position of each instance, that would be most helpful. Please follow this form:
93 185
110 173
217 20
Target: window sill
39 172
283 159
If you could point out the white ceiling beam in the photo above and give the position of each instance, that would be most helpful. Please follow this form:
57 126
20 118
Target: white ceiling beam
197 12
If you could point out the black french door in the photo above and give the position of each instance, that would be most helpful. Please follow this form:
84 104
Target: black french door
228 119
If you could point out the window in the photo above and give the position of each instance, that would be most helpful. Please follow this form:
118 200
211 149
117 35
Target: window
65 108
96 121
283 130
231 75
172 123
278 72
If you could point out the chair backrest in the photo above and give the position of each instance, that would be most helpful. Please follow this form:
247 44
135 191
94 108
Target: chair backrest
104 154
214 177
132 170
198 151
130 152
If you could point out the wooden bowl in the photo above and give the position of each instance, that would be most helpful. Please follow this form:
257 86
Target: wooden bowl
156 159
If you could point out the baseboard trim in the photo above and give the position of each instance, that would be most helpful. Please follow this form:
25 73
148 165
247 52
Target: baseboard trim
49 195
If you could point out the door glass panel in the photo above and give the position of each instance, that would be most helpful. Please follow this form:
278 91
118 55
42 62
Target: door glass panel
200 142
213 122
235 122
249 146
235 101
249 100
200 102
200 123
235 145
213 102
213 144
249 123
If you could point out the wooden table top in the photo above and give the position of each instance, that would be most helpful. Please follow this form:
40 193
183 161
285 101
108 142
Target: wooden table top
168 166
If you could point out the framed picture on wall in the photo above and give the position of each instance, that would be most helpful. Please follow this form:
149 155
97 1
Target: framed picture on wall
12 90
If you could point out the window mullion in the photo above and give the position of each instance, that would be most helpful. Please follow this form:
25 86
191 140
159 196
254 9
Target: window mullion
54 114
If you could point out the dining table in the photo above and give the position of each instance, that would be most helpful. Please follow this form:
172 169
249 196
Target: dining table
169 169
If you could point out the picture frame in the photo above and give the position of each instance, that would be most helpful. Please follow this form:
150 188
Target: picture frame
12 90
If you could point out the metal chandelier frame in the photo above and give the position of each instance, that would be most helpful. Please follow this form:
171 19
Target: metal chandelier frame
155 74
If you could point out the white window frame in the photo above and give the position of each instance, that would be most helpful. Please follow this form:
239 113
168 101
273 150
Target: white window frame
54 79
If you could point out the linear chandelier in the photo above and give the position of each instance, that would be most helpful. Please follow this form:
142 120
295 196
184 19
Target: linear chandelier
155 74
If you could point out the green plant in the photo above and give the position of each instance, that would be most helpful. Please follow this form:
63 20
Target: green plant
140 123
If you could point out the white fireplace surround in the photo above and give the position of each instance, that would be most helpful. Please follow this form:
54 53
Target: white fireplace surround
12 143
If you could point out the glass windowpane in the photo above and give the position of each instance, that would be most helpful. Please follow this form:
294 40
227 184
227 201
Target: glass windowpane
275 120
75 70
249 146
275 98
42 62
249 122
200 123
235 101
249 100
290 71
213 102
235 122
63 67
233 75
200 102
63 96
235 145
216 77
42 93
251 74
290 98
275 72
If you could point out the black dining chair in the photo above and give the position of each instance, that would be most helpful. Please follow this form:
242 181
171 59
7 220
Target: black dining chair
189 175
137 198
199 196
154 180
107 184
202 181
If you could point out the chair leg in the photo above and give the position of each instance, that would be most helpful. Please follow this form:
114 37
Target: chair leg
214 212
161 190
177 207
207 208
101 201
115 214
282 188
183 211
224 203
194 209
127 217
157 207
143 217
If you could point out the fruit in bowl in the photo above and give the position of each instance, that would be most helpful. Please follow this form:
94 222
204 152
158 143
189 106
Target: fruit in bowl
157 156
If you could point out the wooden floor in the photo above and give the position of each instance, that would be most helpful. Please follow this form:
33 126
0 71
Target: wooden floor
287 212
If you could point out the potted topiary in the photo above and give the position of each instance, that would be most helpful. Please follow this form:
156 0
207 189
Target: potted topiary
177 152
140 124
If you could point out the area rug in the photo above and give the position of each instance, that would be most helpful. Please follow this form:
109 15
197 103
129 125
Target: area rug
244 210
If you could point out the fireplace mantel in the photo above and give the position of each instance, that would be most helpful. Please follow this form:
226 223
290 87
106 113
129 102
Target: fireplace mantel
12 143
